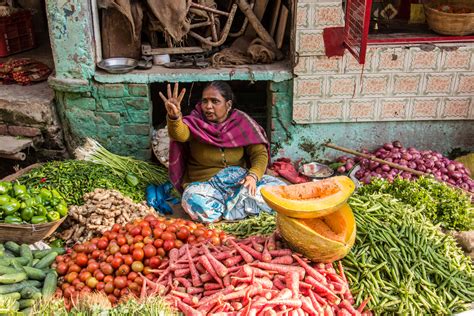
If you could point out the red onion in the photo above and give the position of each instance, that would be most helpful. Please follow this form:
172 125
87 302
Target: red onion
385 168
388 146
397 144
349 166
451 167
341 169
412 165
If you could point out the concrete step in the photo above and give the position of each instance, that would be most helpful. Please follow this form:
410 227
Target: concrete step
11 147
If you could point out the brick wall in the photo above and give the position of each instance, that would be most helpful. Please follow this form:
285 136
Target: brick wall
116 115
397 83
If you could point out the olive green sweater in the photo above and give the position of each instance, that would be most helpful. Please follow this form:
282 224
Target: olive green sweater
206 160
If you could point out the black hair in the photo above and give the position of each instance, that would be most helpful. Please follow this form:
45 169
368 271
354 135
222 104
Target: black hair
224 89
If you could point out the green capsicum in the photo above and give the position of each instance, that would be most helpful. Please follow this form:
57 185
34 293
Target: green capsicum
40 210
27 213
13 219
57 243
56 194
38 220
5 187
53 216
19 189
11 207
30 202
4 199
45 194
131 179
61 209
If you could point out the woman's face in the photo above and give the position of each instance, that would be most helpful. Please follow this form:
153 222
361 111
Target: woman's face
214 107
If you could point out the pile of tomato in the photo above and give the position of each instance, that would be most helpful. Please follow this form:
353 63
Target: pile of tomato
112 263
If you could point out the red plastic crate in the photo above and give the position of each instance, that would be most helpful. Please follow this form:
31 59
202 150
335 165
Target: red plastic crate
16 33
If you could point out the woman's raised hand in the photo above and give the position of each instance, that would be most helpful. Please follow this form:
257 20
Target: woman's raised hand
173 101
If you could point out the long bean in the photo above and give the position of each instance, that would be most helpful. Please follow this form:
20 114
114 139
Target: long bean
404 262
262 224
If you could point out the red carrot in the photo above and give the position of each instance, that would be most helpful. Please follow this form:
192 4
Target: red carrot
187 310
281 252
348 306
344 312
194 290
211 286
245 255
278 283
284 294
181 272
271 242
264 282
205 277
312 272
224 255
232 261
226 280
207 265
248 271
292 282
335 278
294 303
341 271
258 247
280 268
185 282
211 292
323 290
254 253
282 260
199 267
266 256
316 304
360 309
215 296
348 295
269 312
220 269
192 269
338 288
233 269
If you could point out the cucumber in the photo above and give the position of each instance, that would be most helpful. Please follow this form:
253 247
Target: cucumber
13 247
10 288
8 270
33 283
13 278
14 296
25 252
50 284
29 292
34 274
46 261
7 261
38 254
16 306
16 265
26 303
26 311
35 261
8 254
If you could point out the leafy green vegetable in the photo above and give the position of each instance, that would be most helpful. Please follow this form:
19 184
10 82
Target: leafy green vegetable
443 205
74 178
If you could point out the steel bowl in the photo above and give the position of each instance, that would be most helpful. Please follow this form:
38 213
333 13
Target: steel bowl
316 170
118 65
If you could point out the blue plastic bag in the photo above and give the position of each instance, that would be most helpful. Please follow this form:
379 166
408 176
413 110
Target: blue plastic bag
157 197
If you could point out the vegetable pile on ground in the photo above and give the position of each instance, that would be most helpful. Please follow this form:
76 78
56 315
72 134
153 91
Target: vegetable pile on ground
427 161
440 203
74 178
25 276
112 262
19 204
404 262
261 224
102 209
251 276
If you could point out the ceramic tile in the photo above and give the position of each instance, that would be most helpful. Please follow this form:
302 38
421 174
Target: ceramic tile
329 111
425 108
302 16
309 87
393 109
322 64
303 66
465 84
459 59
438 84
390 59
302 111
340 86
328 15
375 85
310 42
424 60
362 110
351 65
406 84
456 108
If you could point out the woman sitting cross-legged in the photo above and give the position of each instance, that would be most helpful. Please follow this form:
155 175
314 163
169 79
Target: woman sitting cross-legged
218 156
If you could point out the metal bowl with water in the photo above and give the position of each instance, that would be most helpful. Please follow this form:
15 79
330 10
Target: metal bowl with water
316 170
118 65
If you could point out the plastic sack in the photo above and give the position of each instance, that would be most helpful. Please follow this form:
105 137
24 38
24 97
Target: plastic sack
157 197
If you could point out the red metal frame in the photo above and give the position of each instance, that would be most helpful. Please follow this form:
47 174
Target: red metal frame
351 35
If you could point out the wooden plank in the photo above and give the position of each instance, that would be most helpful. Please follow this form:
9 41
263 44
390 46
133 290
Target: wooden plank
259 9
274 19
11 145
280 33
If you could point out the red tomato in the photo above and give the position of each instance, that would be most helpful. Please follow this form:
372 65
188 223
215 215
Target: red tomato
198 232
91 247
116 263
99 275
146 231
92 282
168 245
128 259
208 233
137 266
138 254
150 217
124 292
120 282
172 229
123 270
139 281
183 233
121 240
100 286
155 262
157 232
60 258
109 287
135 231
154 223
178 243
201 239
75 282
116 228
102 243
149 251
138 245
65 286
158 243
61 268
117 292
112 235
83 276
92 267
113 249
138 238
96 254
106 268
95 240
109 259
215 240
134 287
146 270
161 252
132 275
112 299
69 292
79 248
74 268
191 239
168 236
146 262
124 249
148 240
108 278
70 277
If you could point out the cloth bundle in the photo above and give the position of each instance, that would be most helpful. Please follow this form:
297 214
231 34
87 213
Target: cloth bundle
23 71
284 168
